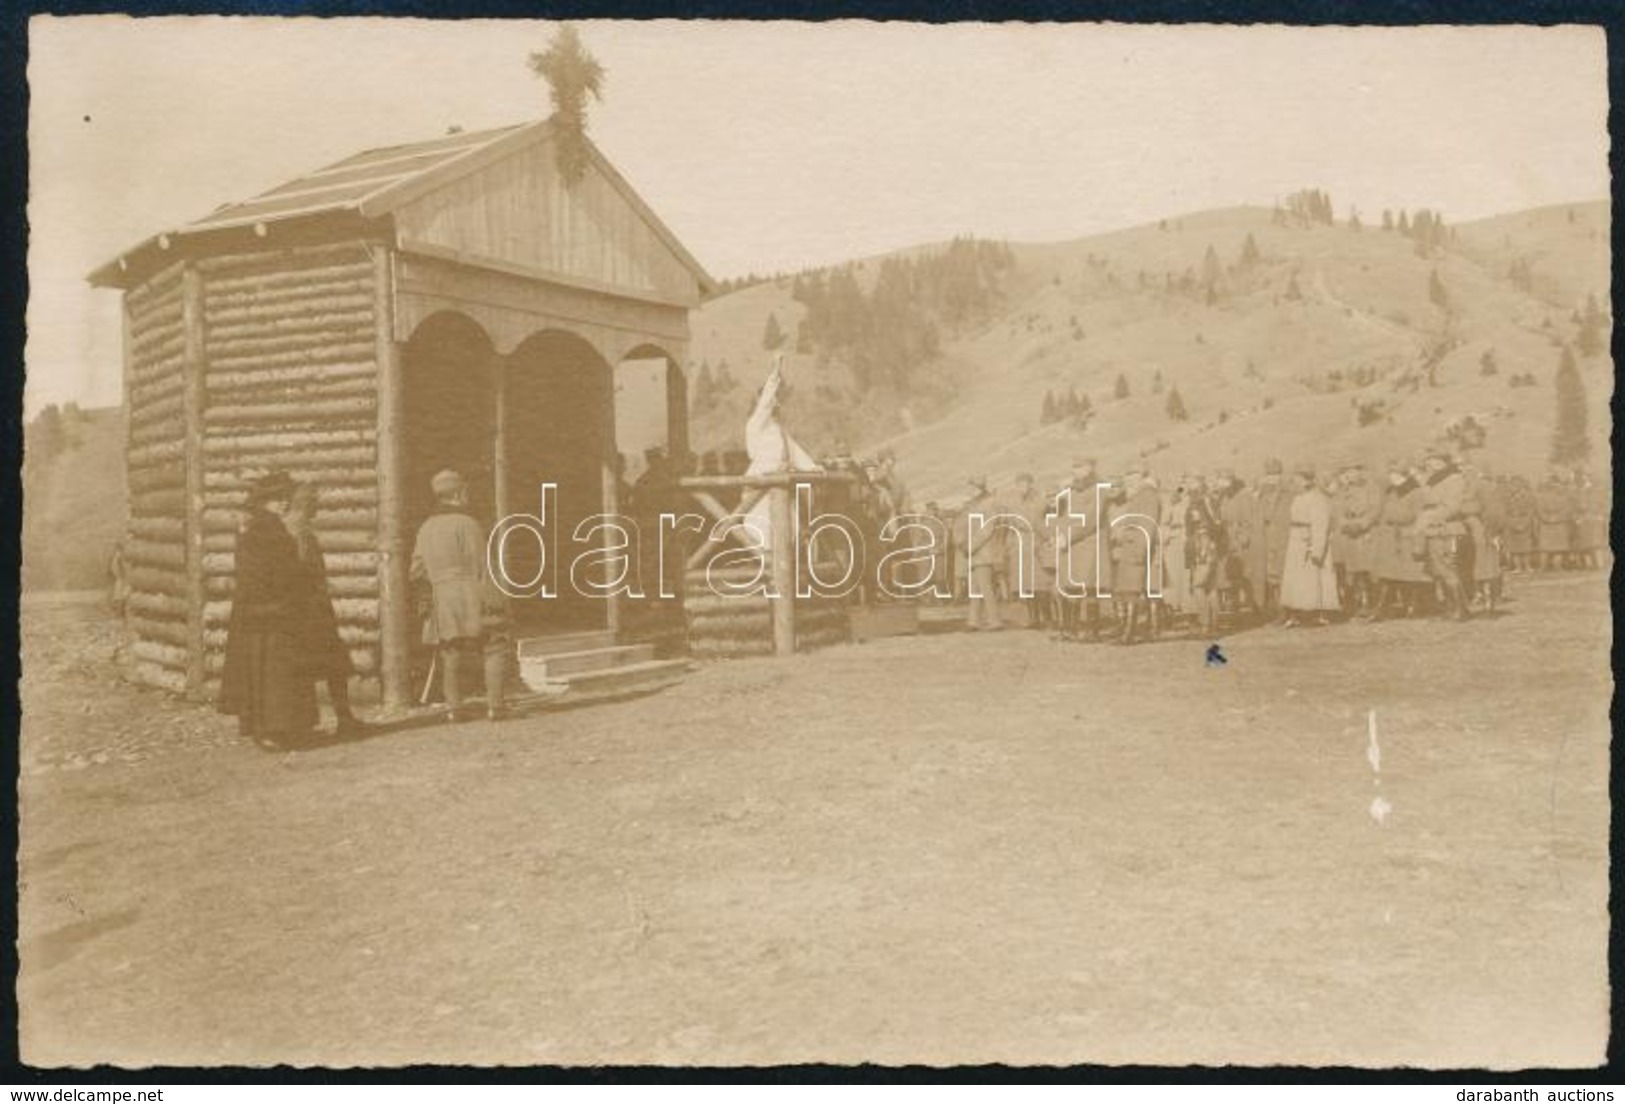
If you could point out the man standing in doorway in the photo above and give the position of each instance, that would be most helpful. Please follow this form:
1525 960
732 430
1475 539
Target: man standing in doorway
450 556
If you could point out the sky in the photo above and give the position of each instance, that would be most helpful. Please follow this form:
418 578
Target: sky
774 146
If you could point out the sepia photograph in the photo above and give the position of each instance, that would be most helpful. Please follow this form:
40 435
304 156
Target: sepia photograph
694 543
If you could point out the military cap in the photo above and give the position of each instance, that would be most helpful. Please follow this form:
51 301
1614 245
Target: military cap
447 482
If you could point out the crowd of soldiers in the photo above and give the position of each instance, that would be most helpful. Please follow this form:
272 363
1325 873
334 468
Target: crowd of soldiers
1433 535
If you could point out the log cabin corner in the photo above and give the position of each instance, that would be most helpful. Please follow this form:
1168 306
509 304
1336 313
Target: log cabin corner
448 303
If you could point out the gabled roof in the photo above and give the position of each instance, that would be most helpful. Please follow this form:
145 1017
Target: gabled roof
373 183
361 181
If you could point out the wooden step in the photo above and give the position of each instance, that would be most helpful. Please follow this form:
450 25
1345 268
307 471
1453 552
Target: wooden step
617 682
555 665
558 643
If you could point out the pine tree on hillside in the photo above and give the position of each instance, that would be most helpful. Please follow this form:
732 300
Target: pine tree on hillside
1387 220
1569 442
1354 219
1211 268
772 335
1071 406
1085 407
1049 414
1249 252
1176 405
1120 388
1156 382
1404 226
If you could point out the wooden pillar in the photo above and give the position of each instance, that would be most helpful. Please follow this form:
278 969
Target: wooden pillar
499 444
612 495
394 593
676 415
784 570
192 400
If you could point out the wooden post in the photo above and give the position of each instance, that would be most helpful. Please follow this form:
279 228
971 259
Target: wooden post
499 444
611 498
676 416
394 594
784 571
192 365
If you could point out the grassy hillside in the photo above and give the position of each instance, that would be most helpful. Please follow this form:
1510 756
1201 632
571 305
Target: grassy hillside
73 500
1264 368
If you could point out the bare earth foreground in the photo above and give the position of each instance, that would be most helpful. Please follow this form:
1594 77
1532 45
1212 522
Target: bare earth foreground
946 849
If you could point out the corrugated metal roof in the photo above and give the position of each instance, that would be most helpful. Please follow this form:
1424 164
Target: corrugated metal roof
346 184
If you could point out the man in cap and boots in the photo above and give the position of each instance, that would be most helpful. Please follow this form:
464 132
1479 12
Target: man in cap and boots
983 544
1354 541
1079 567
1021 549
1439 520
1230 499
1137 578
450 555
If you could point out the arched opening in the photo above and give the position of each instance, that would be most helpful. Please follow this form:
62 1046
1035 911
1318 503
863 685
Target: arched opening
651 409
559 428
449 410
651 431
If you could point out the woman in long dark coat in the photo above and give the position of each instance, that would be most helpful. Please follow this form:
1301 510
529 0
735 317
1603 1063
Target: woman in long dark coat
266 683
325 657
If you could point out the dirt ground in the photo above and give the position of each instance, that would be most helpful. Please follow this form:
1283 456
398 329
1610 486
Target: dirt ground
946 849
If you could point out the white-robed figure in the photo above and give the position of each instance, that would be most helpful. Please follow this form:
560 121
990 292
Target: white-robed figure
771 451
1309 578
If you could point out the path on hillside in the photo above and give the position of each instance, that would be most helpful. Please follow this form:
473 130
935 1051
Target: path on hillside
962 848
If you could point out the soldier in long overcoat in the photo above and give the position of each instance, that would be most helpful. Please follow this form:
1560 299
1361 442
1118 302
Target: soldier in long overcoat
1263 535
1205 552
1022 546
1308 579
1137 557
1230 499
1440 521
983 543
1554 522
1399 570
1482 514
1518 530
1354 543
1082 571
1592 501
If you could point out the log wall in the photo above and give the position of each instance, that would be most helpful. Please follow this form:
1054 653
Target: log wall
236 366
723 626
290 382
155 457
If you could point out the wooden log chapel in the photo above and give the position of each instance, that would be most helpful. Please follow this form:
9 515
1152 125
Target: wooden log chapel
450 303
